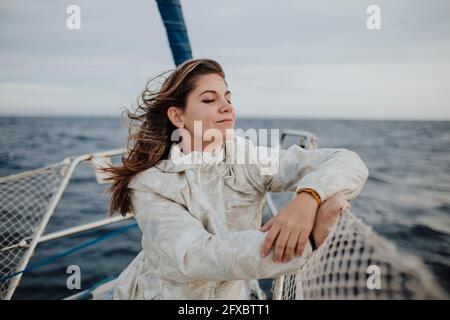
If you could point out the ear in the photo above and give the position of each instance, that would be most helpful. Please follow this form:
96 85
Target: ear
175 116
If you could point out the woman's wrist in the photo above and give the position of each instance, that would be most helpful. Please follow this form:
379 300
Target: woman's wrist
307 198
312 193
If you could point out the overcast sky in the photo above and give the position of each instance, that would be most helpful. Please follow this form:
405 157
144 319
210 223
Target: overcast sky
305 59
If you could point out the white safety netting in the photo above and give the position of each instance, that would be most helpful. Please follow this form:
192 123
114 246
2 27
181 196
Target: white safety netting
26 202
356 263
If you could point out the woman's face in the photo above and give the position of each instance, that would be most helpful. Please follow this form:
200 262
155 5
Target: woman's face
210 103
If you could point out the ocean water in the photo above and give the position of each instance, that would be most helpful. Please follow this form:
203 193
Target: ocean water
406 198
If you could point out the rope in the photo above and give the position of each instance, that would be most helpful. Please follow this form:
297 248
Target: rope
67 252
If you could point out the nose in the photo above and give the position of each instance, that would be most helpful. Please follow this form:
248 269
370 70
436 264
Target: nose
226 107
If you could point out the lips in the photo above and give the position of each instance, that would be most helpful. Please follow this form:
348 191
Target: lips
230 120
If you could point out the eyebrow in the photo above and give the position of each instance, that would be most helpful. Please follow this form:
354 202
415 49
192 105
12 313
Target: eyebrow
213 91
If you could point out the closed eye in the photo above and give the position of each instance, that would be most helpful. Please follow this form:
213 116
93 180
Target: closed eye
209 101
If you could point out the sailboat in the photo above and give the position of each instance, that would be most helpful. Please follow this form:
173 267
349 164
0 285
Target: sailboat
353 263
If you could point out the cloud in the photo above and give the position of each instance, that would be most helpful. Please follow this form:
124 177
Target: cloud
288 59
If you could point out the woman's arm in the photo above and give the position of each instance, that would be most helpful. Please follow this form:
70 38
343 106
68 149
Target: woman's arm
319 173
325 171
180 249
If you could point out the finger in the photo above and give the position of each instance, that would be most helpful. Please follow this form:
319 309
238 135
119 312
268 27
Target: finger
348 205
291 245
344 205
267 225
301 243
270 239
280 245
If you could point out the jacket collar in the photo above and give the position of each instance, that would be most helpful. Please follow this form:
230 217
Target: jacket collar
178 161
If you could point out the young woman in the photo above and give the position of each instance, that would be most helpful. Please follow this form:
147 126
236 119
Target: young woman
201 220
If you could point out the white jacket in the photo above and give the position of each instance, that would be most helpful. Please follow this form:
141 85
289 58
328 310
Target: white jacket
200 221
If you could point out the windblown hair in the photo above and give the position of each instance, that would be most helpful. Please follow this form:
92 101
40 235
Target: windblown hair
150 130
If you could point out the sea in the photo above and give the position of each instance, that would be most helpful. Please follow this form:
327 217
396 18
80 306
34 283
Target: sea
406 198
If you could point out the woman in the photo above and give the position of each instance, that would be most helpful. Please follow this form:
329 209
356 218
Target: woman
201 219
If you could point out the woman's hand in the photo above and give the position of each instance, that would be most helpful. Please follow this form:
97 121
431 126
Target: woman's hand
290 228
327 216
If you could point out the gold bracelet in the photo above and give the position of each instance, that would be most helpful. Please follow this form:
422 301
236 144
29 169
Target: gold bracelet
312 192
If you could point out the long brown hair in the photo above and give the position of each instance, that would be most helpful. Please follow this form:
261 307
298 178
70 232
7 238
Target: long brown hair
150 130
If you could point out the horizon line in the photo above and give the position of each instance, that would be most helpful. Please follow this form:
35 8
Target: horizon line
246 117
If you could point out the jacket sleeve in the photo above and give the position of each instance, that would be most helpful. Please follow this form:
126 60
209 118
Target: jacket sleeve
181 249
326 171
